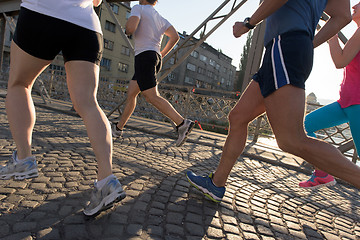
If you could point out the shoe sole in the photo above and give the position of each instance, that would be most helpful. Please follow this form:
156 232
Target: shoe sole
204 191
106 203
21 176
192 125
332 183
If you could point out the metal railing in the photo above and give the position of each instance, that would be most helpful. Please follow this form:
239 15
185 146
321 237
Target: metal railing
210 108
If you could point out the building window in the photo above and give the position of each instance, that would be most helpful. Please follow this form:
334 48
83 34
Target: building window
110 26
127 15
172 61
212 62
108 44
225 70
201 70
191 67
217 66
104 79
194 54
189 80
203 58
123 67
171 77
105 63
115 8
125 50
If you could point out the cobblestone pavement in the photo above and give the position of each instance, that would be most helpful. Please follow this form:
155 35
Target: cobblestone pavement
262 201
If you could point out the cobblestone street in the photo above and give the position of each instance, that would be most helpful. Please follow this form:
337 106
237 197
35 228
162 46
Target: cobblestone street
262 200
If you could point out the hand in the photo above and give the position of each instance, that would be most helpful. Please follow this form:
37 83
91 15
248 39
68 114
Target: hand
239 29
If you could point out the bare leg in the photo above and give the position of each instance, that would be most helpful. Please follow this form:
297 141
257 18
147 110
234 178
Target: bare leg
249 106
82 80
133 92
152 96
286 119
20 109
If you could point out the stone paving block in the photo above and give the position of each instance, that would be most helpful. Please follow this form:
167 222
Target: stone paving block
29 204
4 228
24 226
214 233
134 229
174 229
231 229
48 233
7 190
21 235
175 218
155 230
194 218
76 231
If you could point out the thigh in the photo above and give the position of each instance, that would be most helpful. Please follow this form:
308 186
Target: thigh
133 89
327 116
285 111
24 68
82 80
250 104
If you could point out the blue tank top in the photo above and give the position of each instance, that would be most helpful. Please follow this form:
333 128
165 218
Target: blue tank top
295 15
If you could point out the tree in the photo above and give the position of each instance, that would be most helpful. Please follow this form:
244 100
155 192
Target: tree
243 62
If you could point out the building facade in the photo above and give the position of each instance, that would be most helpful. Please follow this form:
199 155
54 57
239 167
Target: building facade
206 68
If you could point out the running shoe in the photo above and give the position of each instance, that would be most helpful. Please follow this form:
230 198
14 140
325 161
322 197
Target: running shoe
317 182
20 169
183 131
206 185
116 132
104 198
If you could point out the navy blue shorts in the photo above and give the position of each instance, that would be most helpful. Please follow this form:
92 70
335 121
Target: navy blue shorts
288 59
45 37
147 66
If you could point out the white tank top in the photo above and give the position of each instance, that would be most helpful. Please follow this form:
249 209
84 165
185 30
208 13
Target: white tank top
79 12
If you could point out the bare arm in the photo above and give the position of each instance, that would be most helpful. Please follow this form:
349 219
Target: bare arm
340 16
96 3
131 25
265 9
342 57
173 39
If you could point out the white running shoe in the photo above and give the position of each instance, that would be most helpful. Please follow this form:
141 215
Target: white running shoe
183 131
20 169
104 198
115 133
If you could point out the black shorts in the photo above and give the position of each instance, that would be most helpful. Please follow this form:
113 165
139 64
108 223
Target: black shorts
45 37
288 59
147 66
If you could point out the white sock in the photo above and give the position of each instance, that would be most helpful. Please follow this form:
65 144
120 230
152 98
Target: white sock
101 183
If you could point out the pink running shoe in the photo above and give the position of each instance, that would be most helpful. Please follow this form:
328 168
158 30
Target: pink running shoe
317 182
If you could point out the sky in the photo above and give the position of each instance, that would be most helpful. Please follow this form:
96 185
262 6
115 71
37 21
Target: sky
187 15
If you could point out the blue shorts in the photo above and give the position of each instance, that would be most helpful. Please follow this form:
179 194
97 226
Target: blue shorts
288 59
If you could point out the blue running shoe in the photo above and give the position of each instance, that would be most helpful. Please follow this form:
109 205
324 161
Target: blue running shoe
206 185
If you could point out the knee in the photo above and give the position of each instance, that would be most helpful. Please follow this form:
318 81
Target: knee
151 98
292 145
83 106
237 119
